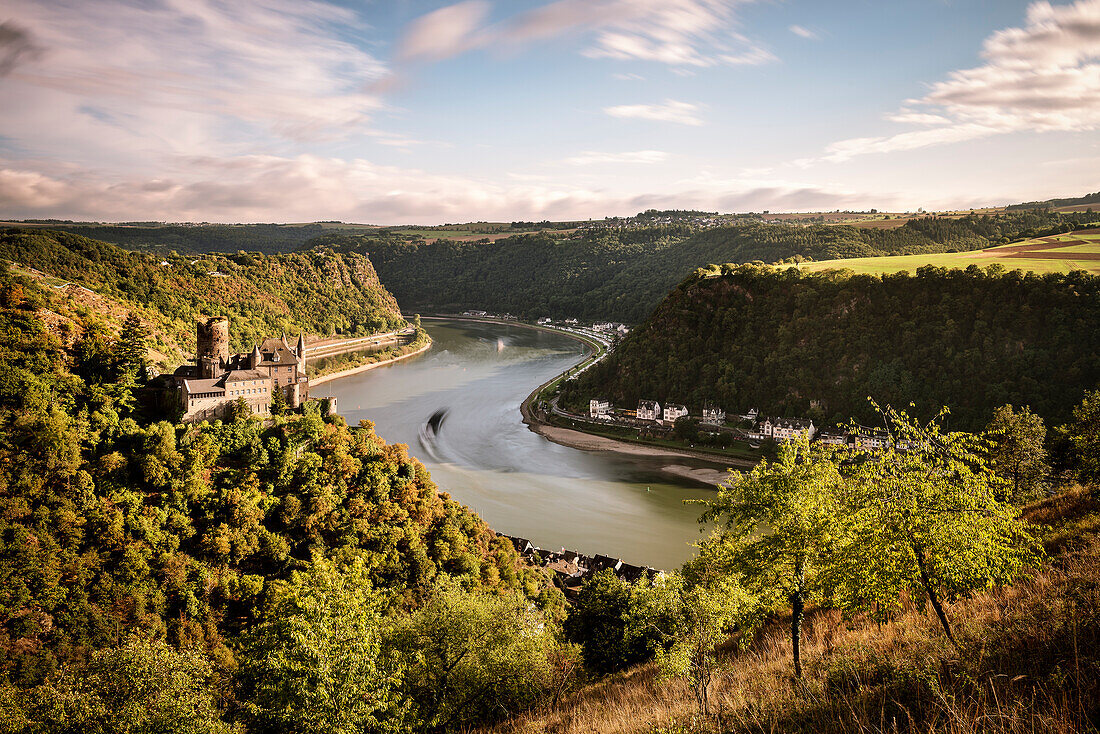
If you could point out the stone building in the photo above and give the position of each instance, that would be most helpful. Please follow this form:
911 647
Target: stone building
208 388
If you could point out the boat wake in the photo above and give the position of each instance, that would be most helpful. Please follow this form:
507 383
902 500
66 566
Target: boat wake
429 433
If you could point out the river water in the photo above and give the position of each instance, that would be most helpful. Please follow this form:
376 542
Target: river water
519 482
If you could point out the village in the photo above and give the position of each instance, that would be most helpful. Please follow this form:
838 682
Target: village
749 427
571 569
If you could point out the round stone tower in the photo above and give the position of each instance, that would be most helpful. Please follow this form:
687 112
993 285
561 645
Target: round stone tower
213 346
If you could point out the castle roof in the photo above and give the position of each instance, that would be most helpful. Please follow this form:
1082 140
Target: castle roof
243 375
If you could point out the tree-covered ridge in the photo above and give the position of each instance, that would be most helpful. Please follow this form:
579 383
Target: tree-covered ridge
789 343
622 274
198 238
316 292
114 532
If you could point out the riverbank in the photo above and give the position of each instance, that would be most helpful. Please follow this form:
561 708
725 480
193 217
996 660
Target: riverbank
314 381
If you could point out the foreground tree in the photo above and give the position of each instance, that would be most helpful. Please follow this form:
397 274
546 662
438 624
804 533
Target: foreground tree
1016 451
927 519
315 664
782 528
600 621
141 687
472 657
691 612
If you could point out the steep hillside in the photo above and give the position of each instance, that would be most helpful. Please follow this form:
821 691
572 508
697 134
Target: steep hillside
622 272
203 578
320 293
1028 661
819 344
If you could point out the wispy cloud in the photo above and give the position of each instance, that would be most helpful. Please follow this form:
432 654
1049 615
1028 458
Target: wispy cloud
308 188
280 64
695 33
591 157
1041 77
670 110
802 32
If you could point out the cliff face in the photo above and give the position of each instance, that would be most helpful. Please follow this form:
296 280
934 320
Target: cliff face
314 292
819 345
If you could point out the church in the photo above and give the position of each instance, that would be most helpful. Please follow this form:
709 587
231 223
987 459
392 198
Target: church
209 388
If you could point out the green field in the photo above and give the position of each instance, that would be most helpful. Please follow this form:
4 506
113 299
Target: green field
1056 254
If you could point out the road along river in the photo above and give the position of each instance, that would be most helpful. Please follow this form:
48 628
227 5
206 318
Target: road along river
631 507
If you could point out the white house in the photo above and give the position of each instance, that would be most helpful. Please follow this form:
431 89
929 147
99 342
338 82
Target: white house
714 415
674 411
543 321
750 416
598 408
786 429
649 410
832 438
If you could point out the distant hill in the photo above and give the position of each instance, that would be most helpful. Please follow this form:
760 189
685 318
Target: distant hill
622 273
190 239
1055 203
261 294
818 344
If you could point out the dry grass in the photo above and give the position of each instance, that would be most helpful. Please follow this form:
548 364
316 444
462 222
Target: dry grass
1030 663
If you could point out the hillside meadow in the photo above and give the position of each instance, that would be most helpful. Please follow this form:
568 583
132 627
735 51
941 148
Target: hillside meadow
1055 254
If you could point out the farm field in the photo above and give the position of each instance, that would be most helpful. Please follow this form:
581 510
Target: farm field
1057 254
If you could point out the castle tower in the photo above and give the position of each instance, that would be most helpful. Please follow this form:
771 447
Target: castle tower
301 352
254 359
213 346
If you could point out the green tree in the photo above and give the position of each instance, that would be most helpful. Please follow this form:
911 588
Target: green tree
240 410
782 527
927 519
1084 435
131 351
691 612
472 657
141 687
600 622
1016 450
686 428
315 664
278 401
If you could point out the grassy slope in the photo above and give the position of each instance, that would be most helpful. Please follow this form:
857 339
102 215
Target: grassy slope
1030 662
1077 243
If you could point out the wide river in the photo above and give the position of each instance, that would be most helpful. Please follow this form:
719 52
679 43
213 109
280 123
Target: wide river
519 482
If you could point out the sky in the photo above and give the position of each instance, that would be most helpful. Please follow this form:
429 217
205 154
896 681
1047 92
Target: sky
407 112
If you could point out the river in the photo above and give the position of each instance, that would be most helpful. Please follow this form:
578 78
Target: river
519 482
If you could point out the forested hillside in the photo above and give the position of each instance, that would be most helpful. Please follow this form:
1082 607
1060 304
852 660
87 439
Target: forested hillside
190 239
263 295
818 345
623 273
287 576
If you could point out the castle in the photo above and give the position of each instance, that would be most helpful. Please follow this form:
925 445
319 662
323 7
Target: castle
209 388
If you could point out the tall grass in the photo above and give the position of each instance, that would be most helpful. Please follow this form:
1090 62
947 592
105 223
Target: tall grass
1030 663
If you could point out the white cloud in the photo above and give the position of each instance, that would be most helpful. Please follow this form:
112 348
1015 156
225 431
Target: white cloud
670 110
446 32
308 188
1044 76
280 65
802 32
590 157
675 32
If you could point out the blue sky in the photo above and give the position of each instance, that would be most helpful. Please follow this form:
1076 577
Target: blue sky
401 112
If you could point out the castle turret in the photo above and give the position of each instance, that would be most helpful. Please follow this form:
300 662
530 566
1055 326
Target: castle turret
212 337
254 359
300 350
